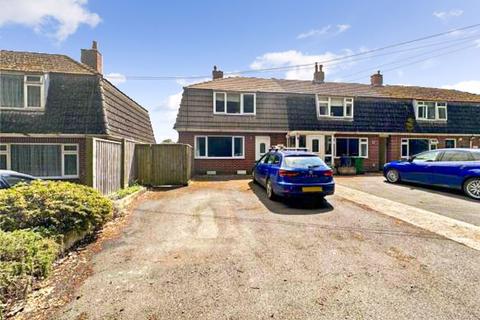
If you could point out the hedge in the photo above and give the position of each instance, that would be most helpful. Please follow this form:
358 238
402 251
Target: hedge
53 208
24 255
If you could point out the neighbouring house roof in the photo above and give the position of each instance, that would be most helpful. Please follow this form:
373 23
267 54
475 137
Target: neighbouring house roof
244 84
79 101
288 105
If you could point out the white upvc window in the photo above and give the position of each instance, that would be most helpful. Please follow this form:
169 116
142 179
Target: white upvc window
431 111
42 160
220 147
22 91
234 103
413 146
351 147
334 107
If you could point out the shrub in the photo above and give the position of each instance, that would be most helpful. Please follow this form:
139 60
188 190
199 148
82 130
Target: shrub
122 193
24 256
53 208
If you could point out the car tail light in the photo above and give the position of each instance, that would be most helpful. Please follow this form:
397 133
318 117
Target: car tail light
328 173
287 173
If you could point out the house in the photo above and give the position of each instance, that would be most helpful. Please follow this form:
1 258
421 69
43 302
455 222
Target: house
50 104
231 122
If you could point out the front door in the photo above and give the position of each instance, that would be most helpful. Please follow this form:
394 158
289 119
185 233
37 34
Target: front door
316 144
262 145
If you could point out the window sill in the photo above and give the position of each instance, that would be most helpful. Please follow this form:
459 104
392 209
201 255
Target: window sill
59 178
235 114
432 120
219 158
41 109
335 118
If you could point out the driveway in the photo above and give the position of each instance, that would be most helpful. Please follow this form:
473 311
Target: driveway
221 250
450 203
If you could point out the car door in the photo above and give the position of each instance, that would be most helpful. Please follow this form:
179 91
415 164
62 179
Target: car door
419 168
447 171
261 171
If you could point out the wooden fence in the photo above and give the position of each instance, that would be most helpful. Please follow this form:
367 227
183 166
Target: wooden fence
163 164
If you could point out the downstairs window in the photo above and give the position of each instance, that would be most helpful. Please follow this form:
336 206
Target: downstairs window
219 147
351 147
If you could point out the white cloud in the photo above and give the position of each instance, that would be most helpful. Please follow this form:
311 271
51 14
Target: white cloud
116 78
294 57
55 18
444 15
339 28
472 86
478 43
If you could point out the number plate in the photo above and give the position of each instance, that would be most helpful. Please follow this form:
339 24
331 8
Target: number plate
312 189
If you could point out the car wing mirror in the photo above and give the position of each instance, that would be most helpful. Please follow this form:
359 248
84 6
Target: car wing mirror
411 158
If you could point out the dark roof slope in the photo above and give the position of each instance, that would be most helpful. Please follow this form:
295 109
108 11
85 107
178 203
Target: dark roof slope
244 84
41 62
125 117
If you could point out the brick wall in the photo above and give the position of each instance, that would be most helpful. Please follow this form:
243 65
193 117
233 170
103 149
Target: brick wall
229 166
81 149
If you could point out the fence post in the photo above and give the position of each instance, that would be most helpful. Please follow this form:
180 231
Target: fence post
123 164
90 161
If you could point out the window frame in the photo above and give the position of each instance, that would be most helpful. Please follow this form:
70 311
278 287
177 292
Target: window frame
424 117
347 102
41 84
406 142
454 143
242 94
219 136
62 151
361 141
6 153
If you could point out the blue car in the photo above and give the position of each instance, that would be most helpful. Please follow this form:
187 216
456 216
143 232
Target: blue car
286 173
450 168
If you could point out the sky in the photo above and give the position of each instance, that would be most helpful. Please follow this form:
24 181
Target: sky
185 38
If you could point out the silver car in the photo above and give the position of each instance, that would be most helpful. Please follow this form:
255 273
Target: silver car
10 178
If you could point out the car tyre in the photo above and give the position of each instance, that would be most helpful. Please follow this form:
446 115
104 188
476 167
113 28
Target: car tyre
392 175
471 188
253 177
270 193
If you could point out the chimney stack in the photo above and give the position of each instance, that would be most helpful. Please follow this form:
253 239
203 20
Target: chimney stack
217 74
318 75
376 80
92 58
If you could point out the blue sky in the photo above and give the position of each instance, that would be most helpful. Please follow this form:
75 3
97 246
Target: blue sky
158 38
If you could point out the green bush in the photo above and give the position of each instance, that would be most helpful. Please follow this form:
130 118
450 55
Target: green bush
53 208
122 193
24 256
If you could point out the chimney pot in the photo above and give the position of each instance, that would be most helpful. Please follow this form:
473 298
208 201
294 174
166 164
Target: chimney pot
376 80
92 58
217 74
318 75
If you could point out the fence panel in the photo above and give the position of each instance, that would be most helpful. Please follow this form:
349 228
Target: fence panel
107 165
164 164
129 175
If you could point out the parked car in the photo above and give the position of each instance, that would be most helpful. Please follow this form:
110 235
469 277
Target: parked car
10 178
450 168
286 173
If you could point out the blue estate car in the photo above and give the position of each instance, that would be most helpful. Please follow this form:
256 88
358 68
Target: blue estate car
451 168
286 173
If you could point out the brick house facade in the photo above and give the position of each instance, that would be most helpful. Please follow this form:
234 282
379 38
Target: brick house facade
50 104
376 122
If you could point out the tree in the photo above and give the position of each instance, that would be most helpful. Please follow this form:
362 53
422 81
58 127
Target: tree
168 141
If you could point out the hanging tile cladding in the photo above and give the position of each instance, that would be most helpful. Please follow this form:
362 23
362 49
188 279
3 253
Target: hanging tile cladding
196 111
73 105
125 117
382 115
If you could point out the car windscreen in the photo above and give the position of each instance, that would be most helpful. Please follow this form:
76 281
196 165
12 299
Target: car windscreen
303 161
13 180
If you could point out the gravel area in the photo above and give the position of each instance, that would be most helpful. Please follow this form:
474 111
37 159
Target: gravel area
221 250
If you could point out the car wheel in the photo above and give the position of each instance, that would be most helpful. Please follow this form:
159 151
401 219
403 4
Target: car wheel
253 177
392 176
270 194
471 187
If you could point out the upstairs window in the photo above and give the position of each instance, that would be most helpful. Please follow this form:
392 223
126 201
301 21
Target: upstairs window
431 111
234 103
19 91
335 107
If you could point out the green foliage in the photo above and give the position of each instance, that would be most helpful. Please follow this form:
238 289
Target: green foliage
53 208
122 193
410 124
24 256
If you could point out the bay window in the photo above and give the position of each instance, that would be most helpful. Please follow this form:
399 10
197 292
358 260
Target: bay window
21 91
351 147
234 103
432 111
219 147
334 107
41 160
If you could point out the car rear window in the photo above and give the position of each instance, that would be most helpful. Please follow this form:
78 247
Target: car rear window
13 180
303 161
476 156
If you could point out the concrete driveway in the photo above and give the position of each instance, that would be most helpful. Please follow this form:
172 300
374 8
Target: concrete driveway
221 250
450 203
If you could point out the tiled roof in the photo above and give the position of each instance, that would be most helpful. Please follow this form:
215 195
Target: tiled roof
41 62
244 84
